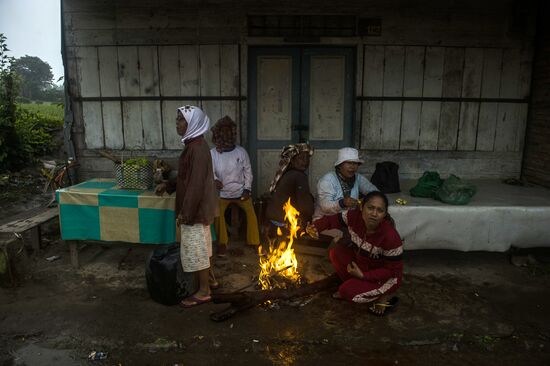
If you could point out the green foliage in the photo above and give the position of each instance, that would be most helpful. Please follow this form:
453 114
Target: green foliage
5 60
137 162
25 134
36 76
8 91
47 110
54 95
34 130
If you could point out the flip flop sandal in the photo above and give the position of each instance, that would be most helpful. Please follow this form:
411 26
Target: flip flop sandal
195 301
388 306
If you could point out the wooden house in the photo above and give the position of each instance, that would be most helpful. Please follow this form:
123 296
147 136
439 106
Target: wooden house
438 85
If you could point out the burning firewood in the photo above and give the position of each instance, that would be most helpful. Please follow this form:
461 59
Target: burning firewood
279 278
241 301
279 266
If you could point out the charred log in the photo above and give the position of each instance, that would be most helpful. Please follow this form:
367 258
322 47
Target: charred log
241 301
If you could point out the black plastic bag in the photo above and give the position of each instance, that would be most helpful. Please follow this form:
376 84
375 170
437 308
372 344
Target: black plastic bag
386 177
166 281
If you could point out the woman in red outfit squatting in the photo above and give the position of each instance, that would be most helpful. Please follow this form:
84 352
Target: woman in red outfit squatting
368 259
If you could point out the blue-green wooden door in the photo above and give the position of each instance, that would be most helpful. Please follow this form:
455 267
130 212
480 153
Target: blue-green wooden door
298 94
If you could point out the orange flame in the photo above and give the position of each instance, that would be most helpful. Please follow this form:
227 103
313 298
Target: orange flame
281 260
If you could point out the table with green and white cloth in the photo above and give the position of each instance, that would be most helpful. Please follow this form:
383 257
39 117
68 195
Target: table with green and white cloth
100 210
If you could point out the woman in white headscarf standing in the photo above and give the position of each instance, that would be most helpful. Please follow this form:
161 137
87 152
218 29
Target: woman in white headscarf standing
196 200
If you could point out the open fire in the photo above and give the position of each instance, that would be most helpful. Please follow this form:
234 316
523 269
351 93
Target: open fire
279 267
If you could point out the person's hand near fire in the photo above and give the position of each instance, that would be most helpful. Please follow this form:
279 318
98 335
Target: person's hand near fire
350 202
311 230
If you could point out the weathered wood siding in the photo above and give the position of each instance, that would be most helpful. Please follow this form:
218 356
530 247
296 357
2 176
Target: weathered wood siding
468 81
111 82
536 161
444 87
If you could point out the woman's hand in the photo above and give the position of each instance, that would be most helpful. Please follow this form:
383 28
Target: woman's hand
311 230
160 189
245 195
355 271
219 184
350 202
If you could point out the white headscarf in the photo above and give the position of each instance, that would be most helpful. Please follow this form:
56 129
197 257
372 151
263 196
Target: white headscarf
197 122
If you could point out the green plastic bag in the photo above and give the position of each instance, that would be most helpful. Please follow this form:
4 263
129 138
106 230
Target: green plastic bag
455 191
427 185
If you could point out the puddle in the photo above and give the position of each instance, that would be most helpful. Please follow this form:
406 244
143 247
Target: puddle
33 355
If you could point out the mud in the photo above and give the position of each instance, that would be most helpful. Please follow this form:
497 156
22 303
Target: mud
455 309
22 192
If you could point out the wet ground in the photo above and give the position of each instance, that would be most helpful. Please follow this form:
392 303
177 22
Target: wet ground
455 309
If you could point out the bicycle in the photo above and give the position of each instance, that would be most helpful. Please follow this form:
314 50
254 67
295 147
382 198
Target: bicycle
60 175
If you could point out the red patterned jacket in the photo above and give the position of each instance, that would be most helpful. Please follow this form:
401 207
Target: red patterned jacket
381 252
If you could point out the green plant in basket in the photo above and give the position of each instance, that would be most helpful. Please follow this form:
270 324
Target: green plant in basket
137 162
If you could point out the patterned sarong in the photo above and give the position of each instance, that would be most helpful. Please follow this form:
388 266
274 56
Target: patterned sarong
196 247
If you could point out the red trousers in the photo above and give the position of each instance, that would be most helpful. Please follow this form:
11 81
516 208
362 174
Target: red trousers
355 289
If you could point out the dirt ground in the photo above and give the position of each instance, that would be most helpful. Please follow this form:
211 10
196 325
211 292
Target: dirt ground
455 308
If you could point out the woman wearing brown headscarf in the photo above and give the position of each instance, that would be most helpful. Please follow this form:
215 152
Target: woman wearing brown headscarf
290 181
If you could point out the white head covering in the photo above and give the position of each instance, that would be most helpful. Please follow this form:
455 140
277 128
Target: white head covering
197 122
348 154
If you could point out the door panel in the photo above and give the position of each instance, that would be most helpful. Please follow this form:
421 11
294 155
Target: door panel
274 98
326 98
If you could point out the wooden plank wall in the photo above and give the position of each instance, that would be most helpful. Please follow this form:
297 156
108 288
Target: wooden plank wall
536 161
109 76
118 50
453 100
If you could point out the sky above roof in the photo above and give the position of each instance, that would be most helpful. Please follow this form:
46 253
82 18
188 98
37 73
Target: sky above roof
33 28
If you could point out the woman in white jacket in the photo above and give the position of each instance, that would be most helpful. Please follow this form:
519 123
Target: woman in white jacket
340 189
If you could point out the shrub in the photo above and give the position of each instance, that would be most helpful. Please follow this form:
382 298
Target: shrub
49 110
25 132
8 91
35 133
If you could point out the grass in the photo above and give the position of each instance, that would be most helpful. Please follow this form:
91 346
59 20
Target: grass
51 110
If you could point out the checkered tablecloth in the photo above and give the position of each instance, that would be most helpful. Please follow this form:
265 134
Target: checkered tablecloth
99 210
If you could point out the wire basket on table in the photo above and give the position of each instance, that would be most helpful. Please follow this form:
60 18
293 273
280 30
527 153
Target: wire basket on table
130 176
